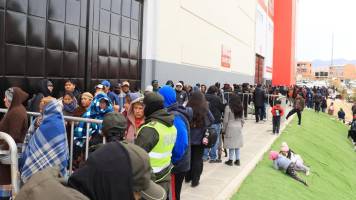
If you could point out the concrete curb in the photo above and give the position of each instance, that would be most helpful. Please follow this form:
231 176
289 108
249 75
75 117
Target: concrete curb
235 184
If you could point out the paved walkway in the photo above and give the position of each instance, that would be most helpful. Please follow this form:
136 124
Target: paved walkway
220 181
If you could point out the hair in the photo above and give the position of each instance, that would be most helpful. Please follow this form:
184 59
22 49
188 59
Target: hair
236 106
212 89
200 109
70 81
69 94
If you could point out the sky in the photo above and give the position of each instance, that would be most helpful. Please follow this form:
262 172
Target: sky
317 20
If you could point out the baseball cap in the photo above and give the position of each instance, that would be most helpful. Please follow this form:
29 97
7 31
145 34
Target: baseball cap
141 173
105 83
114 121
100 86
126 83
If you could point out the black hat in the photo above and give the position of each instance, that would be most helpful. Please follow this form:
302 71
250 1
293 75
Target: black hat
153 102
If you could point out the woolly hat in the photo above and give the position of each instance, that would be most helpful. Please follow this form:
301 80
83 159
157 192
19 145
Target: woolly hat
273 155
284 147
153 102
88 95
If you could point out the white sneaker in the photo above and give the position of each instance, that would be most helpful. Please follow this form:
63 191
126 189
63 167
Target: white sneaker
355 148
307 173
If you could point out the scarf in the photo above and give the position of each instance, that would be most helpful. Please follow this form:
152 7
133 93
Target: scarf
48 146
70 107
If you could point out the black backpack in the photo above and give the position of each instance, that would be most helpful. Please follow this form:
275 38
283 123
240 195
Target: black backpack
212 137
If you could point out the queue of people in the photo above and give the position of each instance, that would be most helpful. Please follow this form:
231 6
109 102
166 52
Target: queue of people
159 136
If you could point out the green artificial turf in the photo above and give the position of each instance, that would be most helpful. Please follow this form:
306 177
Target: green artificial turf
322 143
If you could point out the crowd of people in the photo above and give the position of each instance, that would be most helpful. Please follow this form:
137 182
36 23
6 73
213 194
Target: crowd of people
155 139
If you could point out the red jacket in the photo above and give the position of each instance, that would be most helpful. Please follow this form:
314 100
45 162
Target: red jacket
275 108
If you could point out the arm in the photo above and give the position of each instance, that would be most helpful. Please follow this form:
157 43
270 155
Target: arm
275 165
182 141
226 118
282 112
147 138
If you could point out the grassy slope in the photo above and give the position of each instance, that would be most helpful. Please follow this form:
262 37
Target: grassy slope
323 145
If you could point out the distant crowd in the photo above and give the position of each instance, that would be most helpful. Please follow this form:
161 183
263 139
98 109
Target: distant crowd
155 139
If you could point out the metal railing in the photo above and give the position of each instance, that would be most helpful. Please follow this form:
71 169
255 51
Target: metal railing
11 158
72 121
248 97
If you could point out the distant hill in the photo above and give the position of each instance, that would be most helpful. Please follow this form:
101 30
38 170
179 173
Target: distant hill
323 63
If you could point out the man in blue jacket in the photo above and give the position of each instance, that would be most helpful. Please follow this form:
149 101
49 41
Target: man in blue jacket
181 149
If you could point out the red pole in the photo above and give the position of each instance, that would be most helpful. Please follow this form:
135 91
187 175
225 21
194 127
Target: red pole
173 186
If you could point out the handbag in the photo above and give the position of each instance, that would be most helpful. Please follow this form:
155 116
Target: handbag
209 138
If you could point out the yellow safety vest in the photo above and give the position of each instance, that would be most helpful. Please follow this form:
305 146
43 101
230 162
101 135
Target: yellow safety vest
160 155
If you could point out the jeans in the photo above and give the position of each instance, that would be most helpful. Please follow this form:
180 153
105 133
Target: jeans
259 113
213 151
234 152
276 121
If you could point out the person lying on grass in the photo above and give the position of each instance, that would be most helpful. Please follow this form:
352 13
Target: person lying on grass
295 158
281 162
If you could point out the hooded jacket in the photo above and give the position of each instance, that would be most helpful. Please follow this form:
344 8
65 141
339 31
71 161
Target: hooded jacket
182 116
259 96
15 124
43 91
131 132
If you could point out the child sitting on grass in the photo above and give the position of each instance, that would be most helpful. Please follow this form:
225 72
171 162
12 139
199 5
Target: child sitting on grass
295 158
352 131
281 162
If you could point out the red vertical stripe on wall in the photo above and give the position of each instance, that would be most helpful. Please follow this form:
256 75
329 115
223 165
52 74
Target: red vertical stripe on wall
284 42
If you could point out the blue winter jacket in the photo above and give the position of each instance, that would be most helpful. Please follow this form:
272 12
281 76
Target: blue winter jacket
181 150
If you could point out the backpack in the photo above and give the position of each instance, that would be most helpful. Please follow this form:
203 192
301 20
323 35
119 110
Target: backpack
353 126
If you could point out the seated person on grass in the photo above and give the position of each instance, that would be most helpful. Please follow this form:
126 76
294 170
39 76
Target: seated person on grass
281 162
295 158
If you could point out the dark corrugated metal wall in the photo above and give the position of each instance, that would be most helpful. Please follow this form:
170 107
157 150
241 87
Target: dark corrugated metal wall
86 40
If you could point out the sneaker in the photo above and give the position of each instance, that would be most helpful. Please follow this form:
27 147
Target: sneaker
229 162
237 162
307 173
215 161
194 184
205 159
355 148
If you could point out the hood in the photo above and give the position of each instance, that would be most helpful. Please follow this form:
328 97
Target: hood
130 115
19 97
95 108
162 116
42 88
169 95
105 177
186 111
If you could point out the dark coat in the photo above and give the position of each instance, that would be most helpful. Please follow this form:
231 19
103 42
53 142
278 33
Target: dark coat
216 107
259 96
15 124
197 134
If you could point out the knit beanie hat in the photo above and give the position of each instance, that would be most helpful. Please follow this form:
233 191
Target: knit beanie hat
284 147
88 95
152 102
9 93
273 155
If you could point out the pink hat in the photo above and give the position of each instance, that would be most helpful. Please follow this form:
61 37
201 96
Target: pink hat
284 146
273 155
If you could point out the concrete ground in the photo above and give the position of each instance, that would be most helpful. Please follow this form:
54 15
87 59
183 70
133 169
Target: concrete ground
220 181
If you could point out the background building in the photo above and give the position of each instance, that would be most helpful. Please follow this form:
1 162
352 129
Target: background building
140 40
304 71
321 73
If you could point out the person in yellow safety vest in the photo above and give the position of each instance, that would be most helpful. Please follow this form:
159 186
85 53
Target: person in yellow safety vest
157 137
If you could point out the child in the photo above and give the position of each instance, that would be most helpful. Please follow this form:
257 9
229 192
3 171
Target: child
277 112
341 115
281 162
352 131
295 158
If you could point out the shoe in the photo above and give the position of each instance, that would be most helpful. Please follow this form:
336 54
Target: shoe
187 180
229 162
194 184
307 173
237 162
355 148
204 160
215 161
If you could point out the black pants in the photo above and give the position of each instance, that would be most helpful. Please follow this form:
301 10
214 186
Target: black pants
196 165
298 113
178 181
317 107
245 109
292 173
276 123
259 113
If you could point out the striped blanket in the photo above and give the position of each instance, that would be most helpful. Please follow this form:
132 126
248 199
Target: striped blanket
48 146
